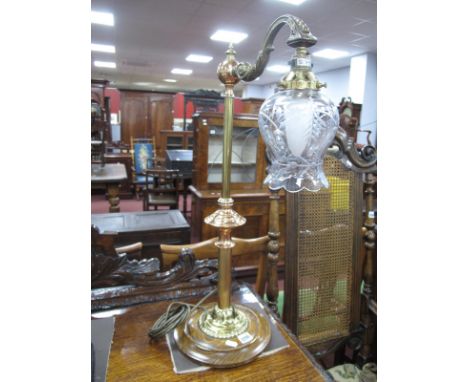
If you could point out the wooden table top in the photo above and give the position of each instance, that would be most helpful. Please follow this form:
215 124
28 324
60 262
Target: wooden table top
140 221
134 357
111 172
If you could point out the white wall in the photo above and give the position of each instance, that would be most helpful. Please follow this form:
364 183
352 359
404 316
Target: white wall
337 83
254 91
369 103
336 80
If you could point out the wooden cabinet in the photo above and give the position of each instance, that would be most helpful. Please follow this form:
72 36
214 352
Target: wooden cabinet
251 198
248 168
174 140
145 114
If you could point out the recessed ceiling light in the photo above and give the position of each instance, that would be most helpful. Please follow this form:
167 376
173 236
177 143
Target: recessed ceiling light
185 72
278 68
103 18
105 64
102 48
331 54
198 58
294 2
170 80
144 83
228 36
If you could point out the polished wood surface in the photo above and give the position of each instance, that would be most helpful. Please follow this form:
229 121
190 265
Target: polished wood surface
133 357
145 114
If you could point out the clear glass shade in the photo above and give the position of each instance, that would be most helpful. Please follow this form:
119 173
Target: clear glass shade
297 127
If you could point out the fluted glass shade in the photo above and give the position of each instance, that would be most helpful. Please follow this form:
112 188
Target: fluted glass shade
297 127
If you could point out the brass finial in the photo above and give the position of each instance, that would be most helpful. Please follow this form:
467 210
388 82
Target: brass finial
226 69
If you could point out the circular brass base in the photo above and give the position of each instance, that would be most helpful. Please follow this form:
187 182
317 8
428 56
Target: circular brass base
224 352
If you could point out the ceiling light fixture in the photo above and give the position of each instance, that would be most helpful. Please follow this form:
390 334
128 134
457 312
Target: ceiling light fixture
144 83
198 58
293 2
102 48
278 68
105 64
331 54
228 36
185 72
169 80
102 18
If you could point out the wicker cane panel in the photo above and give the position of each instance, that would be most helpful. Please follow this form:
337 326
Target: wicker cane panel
325 257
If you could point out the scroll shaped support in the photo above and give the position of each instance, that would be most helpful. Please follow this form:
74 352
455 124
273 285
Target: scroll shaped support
273 252
364 161
300 36
368 300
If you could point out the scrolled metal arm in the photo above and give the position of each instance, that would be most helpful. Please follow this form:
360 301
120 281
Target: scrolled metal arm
300 36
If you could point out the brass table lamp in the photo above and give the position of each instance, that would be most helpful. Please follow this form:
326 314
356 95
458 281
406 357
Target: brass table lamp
225 334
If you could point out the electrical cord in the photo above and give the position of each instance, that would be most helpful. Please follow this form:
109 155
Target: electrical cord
176 313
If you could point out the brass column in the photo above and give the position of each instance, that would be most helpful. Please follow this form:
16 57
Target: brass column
225 334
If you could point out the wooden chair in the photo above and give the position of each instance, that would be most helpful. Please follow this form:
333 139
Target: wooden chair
104 242
107 260
207 250
143 152
267 273
160 188
324 256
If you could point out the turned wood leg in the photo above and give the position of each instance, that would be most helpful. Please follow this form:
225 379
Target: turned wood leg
369 233
273 253
113 197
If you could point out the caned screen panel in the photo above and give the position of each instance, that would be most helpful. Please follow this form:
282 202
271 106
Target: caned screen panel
326 226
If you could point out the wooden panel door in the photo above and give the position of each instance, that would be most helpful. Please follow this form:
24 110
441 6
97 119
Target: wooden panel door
134 108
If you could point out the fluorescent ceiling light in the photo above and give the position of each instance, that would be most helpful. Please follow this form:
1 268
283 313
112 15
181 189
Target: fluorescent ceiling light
104 64
185 72
103 48
278 68
144 83
103 18
170 80
228 36
199 58
331 54
294 2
